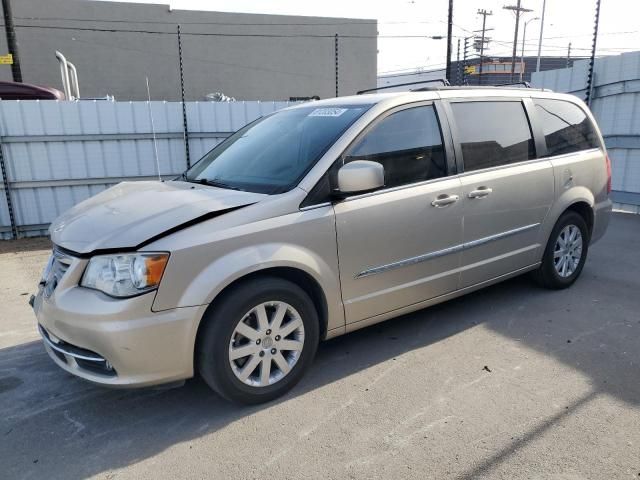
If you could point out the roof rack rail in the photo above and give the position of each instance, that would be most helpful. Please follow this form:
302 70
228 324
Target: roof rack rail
444 81
513 84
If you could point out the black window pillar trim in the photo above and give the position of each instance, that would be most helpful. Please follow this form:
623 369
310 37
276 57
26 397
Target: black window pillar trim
454 149
444 118
536 128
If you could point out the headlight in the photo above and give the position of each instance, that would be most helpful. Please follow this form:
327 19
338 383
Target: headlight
125 275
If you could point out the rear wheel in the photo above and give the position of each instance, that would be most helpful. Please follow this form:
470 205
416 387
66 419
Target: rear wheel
565 253
258 340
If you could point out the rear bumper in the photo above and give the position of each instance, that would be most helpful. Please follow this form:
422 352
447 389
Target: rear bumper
117 342
601 218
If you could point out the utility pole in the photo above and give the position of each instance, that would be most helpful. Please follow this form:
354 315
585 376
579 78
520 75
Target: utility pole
592 61
12 44
569 55
449 35
518 9
484 14
544 6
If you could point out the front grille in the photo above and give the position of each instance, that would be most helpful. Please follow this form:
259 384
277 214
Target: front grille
58 265
85 359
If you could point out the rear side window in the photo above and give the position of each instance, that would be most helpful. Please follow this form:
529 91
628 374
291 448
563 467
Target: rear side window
407 143
566 127
493 133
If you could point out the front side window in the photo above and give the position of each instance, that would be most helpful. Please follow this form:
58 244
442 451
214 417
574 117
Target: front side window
566 127
493 133
407 143
272 154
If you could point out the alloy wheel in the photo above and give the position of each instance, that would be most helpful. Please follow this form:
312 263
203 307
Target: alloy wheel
567 251
266 344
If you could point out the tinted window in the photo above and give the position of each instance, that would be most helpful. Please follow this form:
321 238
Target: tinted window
272 154
493 133
566 127
407 143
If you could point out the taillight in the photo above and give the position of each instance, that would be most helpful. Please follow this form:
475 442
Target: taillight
608 160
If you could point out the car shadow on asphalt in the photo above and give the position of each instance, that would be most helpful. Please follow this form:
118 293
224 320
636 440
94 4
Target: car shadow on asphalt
48 415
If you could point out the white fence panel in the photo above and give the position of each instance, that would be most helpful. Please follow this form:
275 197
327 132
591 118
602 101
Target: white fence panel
59 153
616 106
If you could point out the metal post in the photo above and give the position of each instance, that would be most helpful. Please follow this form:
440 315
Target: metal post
12 43
544 6
449 34
458 79
184 106
7 194
592 61
569 55
464 60
336 55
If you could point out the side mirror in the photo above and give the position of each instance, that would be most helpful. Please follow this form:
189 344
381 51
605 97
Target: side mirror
360 176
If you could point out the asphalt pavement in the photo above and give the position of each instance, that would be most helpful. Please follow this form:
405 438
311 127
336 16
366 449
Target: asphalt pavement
511 382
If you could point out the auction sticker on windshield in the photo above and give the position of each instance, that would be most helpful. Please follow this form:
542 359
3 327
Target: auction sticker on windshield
327 112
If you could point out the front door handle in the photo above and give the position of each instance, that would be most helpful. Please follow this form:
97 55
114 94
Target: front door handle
444 200
480 192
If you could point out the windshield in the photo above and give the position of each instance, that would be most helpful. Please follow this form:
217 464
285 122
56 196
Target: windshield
272 154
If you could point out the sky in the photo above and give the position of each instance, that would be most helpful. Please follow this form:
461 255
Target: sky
565 21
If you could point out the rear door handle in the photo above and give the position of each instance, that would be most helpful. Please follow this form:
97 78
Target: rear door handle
444 200
480 192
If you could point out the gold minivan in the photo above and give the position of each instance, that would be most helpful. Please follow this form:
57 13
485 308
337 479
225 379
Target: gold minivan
315 221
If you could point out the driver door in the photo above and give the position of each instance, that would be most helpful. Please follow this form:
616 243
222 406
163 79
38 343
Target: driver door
402 244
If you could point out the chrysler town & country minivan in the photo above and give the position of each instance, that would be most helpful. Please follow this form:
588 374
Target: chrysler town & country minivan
315 221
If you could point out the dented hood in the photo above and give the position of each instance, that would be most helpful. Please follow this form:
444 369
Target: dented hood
131 214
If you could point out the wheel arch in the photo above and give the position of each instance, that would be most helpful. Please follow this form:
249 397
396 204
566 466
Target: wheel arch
295 275
585 210
578 199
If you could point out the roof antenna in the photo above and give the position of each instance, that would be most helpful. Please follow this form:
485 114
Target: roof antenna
153 130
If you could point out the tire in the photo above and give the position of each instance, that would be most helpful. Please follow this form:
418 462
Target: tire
558 273
223 342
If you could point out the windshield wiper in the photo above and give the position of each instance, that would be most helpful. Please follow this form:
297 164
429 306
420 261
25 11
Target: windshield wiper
217 183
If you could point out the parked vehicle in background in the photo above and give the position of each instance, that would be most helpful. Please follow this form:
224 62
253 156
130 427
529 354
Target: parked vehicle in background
26 91
315 221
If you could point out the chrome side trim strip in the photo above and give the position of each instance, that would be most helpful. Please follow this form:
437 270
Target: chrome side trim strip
410 261
66 352
499 236
446 251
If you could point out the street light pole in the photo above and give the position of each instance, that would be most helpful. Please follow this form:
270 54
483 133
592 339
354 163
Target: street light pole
524 37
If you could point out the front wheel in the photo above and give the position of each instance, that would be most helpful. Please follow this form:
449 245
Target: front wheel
565 253
258 340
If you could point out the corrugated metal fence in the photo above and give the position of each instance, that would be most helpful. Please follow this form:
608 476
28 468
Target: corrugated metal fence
616 106
57 154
